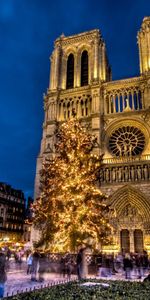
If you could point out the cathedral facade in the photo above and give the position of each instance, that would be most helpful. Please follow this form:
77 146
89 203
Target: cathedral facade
118 113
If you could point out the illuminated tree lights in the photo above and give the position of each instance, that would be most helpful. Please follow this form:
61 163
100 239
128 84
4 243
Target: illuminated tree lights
71 210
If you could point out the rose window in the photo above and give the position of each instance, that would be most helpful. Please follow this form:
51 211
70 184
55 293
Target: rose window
127 141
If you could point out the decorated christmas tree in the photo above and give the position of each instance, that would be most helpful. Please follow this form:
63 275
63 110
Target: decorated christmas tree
71 209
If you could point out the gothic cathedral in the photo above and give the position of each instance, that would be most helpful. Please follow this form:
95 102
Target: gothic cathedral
118 113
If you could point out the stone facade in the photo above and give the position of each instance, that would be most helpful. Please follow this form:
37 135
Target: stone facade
118 113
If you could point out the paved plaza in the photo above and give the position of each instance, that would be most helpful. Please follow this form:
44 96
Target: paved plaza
19 281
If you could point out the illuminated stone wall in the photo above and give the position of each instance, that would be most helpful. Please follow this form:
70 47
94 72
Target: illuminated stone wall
118 113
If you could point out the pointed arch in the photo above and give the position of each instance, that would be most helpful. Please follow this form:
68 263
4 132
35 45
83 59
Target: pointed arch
84 68
70 71
129 195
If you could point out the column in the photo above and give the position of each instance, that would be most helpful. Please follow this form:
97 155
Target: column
131 240
79 109
140 54
123 104
63 72
109 104
106 103
51 82
137 98
114 103
57 65
96 44
132 94
103 62
78 70
118 95
61 112
75 70
142 97
54 110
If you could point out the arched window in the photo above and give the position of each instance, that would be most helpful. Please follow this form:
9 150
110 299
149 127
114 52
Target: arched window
70 72
84 68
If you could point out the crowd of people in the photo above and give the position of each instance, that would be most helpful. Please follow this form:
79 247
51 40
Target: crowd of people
125 263
105 265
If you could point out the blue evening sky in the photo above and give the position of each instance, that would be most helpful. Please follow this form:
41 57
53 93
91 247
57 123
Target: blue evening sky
28 29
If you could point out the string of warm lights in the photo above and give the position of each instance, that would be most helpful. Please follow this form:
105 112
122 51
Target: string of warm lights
71 209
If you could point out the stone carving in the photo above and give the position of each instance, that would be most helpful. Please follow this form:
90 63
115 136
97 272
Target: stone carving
130 215
114 174
139 175
118 174
125 173
129 211
145 172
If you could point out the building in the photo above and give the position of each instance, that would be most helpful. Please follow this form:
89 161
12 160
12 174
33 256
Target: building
118 113
12 213
28 221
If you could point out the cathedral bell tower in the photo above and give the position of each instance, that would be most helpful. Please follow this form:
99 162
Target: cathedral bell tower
144 46
79 66
118 114
78 60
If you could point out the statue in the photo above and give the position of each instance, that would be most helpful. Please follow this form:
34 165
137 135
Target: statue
126 173
127 108
107 175
129 211
139 175
119 148
132 172
119 174
113 174
145 172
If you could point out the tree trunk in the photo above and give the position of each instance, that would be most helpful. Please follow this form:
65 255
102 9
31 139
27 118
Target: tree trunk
84 269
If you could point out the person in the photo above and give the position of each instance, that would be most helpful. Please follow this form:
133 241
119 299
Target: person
79 263
42 266
145 262
63 266
138 264
127 263
35 264
119 261
69 268
8 254
29 263
3 275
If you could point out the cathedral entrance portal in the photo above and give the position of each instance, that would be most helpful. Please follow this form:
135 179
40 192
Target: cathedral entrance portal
132 219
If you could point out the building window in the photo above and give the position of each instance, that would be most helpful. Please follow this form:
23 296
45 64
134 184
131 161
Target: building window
2 211
84 68
127 141
70 72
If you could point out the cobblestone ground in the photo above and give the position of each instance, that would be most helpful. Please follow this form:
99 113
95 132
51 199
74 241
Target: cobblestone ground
19 281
